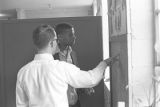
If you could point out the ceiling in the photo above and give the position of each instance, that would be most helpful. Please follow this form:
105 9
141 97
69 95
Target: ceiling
32 4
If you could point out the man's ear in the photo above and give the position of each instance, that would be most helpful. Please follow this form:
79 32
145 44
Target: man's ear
51 43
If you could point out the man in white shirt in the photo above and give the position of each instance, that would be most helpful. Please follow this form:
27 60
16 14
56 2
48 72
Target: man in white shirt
44 81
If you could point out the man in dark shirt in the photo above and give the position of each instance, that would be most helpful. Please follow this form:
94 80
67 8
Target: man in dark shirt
66 39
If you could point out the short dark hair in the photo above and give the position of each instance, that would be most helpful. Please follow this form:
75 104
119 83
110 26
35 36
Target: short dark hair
62 27
42 35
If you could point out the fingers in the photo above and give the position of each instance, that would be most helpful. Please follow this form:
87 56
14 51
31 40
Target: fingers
112 59
89 91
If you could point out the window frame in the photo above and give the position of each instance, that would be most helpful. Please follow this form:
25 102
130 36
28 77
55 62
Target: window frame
157 28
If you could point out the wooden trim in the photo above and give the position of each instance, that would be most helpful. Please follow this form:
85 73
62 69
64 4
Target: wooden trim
85 18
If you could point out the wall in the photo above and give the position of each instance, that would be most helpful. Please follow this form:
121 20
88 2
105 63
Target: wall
142 37
13 4
1 4
48 8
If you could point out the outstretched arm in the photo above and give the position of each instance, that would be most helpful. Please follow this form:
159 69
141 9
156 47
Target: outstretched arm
86 79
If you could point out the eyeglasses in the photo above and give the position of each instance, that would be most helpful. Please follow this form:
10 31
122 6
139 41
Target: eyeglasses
57 39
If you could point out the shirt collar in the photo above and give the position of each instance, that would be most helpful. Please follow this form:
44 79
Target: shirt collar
44 56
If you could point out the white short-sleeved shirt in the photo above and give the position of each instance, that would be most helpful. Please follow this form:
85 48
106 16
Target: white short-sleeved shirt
44 81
